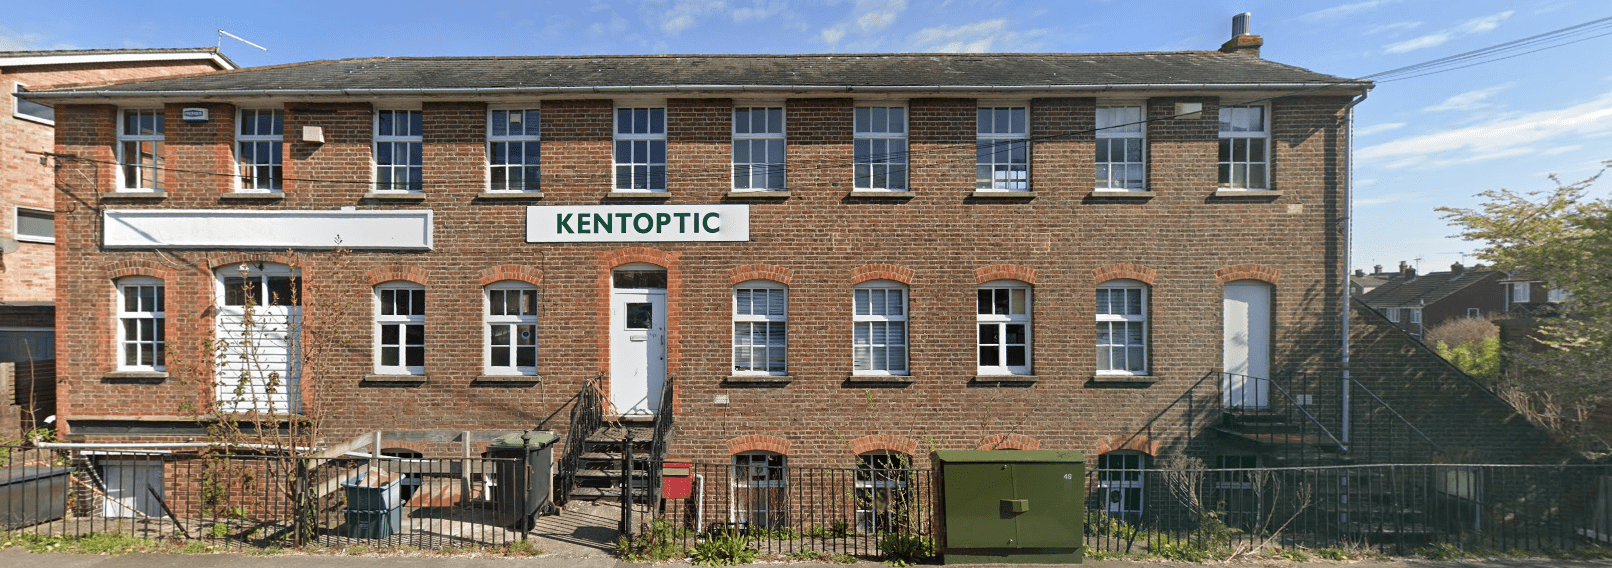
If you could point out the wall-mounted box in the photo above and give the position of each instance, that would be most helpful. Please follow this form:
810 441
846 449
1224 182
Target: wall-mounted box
1011 506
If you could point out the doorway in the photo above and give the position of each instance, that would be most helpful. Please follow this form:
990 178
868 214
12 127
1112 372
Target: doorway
1247 345
637 338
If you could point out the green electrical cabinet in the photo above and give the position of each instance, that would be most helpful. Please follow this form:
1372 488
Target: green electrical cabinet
1011 506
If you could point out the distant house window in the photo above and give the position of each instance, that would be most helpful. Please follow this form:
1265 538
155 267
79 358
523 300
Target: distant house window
1002 161
35 225
1521 292
879 148
514 150
258 144
1393 314
641 149
29 109
1120 140
1557 295
758 148
1416 315
1244 147
140 150
1474 313
399 151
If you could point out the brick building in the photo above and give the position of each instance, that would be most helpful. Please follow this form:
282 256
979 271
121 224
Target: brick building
829 259
27 287
1419 302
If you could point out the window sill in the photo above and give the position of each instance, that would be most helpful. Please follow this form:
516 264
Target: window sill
880 380
508 379
1248 193
997 380
239 196
36 240
760 379
876 194
134 195
1004 194
379 378
496 195
638 195
394 196
759 194
135 376
1123 194
1124 379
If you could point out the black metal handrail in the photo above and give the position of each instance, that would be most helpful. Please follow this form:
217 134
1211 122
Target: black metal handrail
587 413
657 446
1292 402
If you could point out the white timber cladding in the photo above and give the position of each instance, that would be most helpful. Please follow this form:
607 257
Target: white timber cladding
637 223
279 229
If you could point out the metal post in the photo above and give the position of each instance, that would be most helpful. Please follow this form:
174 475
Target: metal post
626 485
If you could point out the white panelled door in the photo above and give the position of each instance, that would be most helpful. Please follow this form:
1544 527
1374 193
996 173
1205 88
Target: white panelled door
129 488
637 350
1247 345
259 333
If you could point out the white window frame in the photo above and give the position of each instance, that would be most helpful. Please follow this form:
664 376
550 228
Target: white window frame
1556 295
756 475
247 178
866 139
1002 153
636 143
1229 165
1020 307
745 348
1392 313
1127 319
746 141
893 486
382 320
408 141
1123 480
863 325
1522 292
531 174
1123 125
16 225
1416 316
1474 313
156 314
128 180
516 321
16 107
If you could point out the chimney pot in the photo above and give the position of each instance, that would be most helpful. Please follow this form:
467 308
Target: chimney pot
1376 269
1360 272
1457 268
1243 41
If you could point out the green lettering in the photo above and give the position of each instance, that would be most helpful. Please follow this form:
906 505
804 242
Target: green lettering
707 222
562 223
601 223
582 223
624 217
661 220
681 217
643 223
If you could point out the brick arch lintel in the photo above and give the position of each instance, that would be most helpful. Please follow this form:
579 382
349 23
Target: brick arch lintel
1128 271
1136 442
231 259
1023 274
618 257
893 272
413 274
749 272
1229 274
886 442
139 267
504 272
758 443
1009 442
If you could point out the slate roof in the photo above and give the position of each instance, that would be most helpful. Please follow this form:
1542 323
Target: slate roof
13 58
1423 289
661 72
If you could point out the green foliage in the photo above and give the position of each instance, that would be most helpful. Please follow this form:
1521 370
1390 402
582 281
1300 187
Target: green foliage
219 530
660 542
1481 359
1292 554
839 529
1333 553
730 549
841 558
95 543
520 548
805 553
1443 551
905 549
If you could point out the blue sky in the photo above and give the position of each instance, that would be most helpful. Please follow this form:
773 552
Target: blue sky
1421 142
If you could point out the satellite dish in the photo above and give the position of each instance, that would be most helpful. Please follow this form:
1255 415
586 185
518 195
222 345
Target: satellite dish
8 245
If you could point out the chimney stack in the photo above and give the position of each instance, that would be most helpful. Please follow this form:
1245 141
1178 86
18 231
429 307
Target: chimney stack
1457 268
1243 41
1376 269
1360 273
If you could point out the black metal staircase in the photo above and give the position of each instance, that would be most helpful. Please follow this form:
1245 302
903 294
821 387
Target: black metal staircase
597 450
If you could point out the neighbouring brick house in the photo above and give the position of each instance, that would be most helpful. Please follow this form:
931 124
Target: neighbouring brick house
1418 302
836 260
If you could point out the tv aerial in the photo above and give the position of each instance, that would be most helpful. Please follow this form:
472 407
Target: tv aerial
220 43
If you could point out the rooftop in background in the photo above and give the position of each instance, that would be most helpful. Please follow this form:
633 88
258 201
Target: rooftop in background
83 56
1007 73
1407 288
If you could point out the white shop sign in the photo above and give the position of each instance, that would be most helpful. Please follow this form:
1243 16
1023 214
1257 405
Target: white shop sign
279 229
637 223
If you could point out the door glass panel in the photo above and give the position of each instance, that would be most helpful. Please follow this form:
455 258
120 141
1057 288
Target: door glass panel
640 279
639 315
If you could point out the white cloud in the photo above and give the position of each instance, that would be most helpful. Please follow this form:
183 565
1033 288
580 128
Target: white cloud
759 11
1395 28
1561 150
1470 100
1378 128
876 16
1385 199
978 37
1345 10
1473 26
686 14
833 35
1512 136
20 41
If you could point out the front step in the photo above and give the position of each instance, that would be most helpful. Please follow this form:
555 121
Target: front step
599 474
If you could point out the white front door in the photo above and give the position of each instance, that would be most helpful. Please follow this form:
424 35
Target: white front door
259 363
1247 346
637 350
129 488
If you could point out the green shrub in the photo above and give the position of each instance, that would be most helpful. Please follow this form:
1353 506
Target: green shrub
724 550
905 549
1293 554
1443 551
839 529
1334 554
661 542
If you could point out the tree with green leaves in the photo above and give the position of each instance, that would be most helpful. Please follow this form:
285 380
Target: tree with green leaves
1563 237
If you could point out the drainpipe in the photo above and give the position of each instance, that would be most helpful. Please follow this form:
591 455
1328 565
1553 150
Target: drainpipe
1348 241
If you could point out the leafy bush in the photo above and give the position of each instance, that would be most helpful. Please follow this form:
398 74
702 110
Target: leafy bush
1293 554
905 549
1443 551
1332 553
660 542
839 529
724 550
